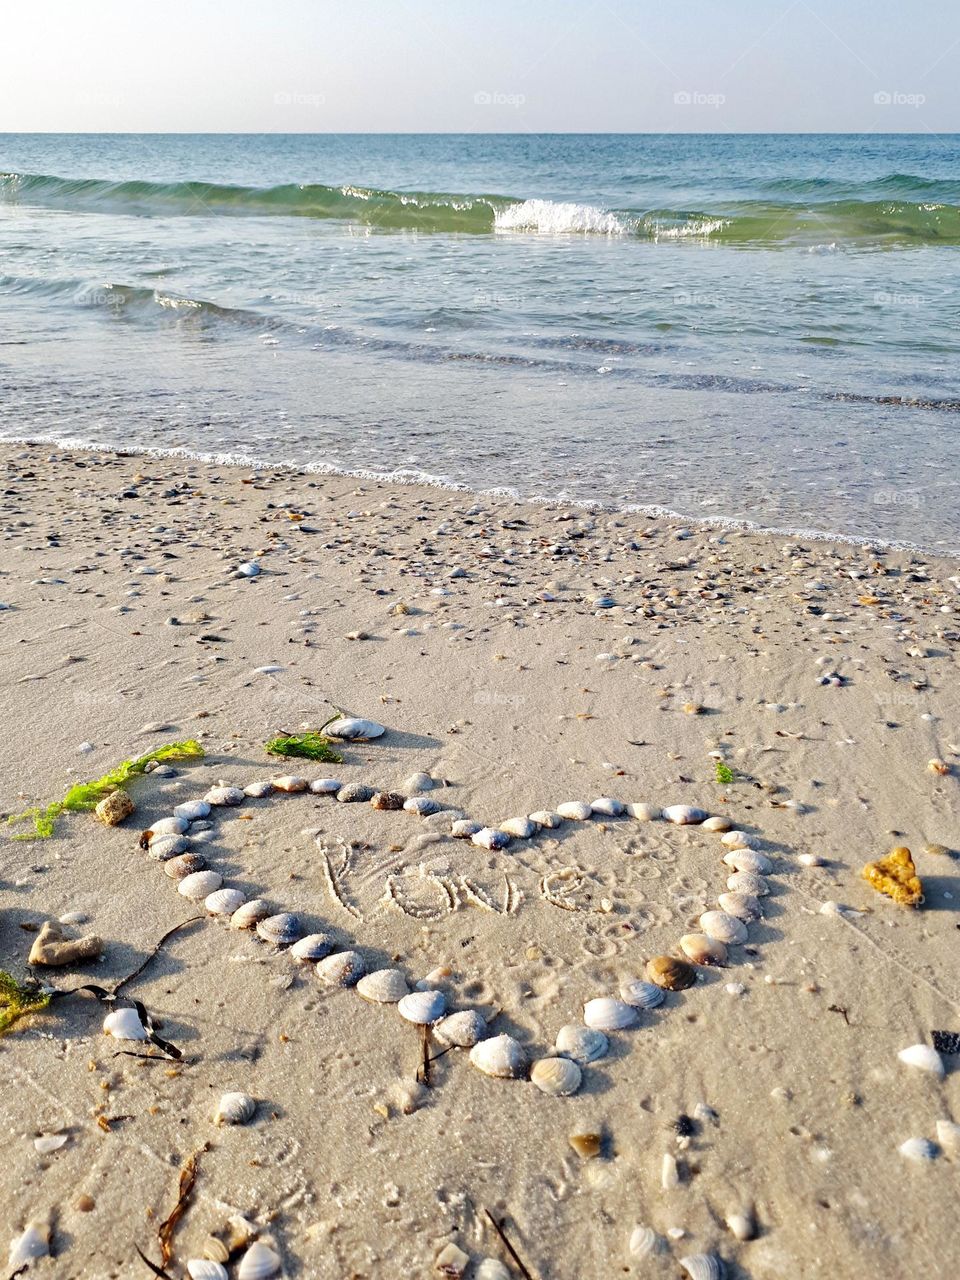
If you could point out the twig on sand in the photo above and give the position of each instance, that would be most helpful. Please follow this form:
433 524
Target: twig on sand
188 1178
169 934
423 1071
498 1228
157 1271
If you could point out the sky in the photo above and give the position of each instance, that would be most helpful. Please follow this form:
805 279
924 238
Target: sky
315 66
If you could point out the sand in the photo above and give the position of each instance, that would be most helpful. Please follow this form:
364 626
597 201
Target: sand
489 656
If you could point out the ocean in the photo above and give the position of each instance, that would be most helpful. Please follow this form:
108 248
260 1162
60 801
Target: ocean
757 329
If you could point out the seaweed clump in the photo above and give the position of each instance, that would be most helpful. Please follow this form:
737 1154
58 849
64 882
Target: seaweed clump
18 999
304 746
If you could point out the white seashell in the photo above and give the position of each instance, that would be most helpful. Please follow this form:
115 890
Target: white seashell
206 1269
644 812
163 847
723 927
281 929
918 1150
259 1262
739 840
607 807
33 1243
546 818
742 905
642 995
250 914
492 1269
748 860
522 828
235 1108
644 1242
353 730
258 790
747 882
703 1266
289 783
452 1261
192 810
582 1044
183 865
556 1077
224 902
577 810
422 1007
684 814
125 1024
465 828
47 1143
383 986
703 950
249 569
416 783
717 823
742 1225
811 860
199 885
313 947
325 786
423 806
343 969
669 1172
924 1058
221 797
169 827
463 1029
607 1014
490 838
501 1057
948 1135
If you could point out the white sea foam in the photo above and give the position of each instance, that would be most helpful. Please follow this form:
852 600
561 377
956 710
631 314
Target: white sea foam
552 218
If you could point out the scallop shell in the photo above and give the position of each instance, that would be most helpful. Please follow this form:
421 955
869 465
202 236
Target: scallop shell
490 838
521 828
280 929
168 827
191 810
919 1150
717 823
644 1242
185 864
354 793
383 986
684 814
422 1007
924 1058
125 1024
670 973
748 860
703 1266
206 1269
325 786
260 1262
582 1044
557 1077
742 905
353 730
258 790
223 902
642 995
607 807
577 810
250 914
465 828
199 885
168 846
224 796
422 806
388 800
547 818
313 947
235 1108
463 1029
739 840
289 783
608 1014
343 969
747 882
723 927
501 1057
703 950
644 812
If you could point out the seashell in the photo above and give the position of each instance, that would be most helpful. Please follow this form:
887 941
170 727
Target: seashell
582 1044
206 1269
748 860
684 814
644 812
125 1024
490 838
465 829
224 797
383 986
723 927
739 840
586 1145
742 1226
258 790
32 1243
47 1143
422 1007
577 810
164 847
354 793
717 823
325 786
703 1266
556 1077
192 810
168 827
389 800
463 1029
919 1150
289 783
452 1261
522 828
259 1262
224 902
343 969
249 569
199 885
491 1269
113 808
235 1108
281 929
644 1242
642 995
948 1135
423 806
924 1058
546 818
250 914
742 905
670 973
313 947
703 950
501 1057
183 865
608 1014
607 807
352 730
416 783
747 882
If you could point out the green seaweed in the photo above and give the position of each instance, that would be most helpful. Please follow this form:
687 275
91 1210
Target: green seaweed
725 774
305 746
84 796
18 999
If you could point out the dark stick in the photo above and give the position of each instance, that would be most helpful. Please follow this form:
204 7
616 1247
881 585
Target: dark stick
157 1271
169 934
498 1228
423 1072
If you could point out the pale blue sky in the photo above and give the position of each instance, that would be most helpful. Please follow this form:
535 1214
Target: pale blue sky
479 65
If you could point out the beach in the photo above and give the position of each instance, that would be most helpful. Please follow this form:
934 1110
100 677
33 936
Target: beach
524 656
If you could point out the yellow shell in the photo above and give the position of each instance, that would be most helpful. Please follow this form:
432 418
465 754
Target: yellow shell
671 973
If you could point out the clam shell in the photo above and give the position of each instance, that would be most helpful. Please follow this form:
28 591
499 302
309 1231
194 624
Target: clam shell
739 840
547 818
492 1269
183 865
167 846
501 1057
703 950
260 1262
747 882
582 1044
250 914
717 823
354 793
383 986
169 827
644 812
325 786
423 806
723 927
206 1269
280 929
191 810
742 905
644 1242
258 790
557 1077
608 1014
748 860
703 1266
224 902
125 1024
465 829
422 1007
490 838
924 1058
199 885
32 1243
343 969
289 783
919 1150
521 828
389 800
607 807
642 995
235 1108
577 810
350 729
684 814
224 796
313 947
463 1029
670 973
948 1135
416 783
